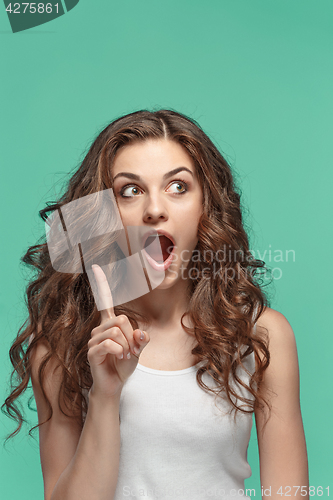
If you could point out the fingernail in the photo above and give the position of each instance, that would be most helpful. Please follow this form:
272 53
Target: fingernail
136 350
122 355
142 335
128 355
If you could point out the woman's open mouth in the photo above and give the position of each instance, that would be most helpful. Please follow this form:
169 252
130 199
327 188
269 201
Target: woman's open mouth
152 250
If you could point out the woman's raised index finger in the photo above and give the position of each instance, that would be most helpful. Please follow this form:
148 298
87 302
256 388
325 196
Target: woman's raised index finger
104 292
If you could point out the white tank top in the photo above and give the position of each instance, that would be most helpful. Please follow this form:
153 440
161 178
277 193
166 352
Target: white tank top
175 443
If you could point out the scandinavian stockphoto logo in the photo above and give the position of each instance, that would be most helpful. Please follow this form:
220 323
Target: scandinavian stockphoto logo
88 231
26 15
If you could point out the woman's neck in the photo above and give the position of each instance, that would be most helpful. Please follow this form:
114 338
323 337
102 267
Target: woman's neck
164 307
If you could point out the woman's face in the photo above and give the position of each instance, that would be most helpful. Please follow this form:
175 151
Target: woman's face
155 186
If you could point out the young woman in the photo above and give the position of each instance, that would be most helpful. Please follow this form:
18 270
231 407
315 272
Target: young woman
154 398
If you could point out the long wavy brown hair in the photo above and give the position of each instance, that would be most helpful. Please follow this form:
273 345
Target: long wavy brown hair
226 298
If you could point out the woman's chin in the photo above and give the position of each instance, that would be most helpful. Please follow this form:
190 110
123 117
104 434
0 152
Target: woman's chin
172 277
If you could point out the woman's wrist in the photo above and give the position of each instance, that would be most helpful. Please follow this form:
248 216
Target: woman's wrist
104 399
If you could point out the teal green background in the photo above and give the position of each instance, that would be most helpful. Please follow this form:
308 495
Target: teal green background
257 76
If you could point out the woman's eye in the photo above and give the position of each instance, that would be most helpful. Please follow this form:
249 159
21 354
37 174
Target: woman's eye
181 187
133 190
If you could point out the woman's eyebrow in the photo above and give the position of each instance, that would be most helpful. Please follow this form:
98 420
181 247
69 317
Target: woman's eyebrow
165 176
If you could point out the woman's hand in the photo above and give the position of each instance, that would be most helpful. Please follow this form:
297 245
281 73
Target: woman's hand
114 346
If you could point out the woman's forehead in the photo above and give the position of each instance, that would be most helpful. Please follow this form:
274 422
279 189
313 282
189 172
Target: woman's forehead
158 154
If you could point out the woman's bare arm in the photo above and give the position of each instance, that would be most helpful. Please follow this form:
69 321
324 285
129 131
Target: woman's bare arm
282 445
84 465
76 465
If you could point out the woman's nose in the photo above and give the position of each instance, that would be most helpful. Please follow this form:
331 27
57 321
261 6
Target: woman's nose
154 209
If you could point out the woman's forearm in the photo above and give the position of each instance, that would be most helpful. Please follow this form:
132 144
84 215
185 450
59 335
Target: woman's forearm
93 472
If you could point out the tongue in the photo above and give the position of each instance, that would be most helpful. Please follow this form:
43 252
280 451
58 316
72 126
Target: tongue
154 248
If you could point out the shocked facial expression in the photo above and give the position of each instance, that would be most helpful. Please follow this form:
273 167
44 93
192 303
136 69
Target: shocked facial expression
156 186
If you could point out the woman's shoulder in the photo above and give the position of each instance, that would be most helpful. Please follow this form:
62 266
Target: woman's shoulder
280 336
273 320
